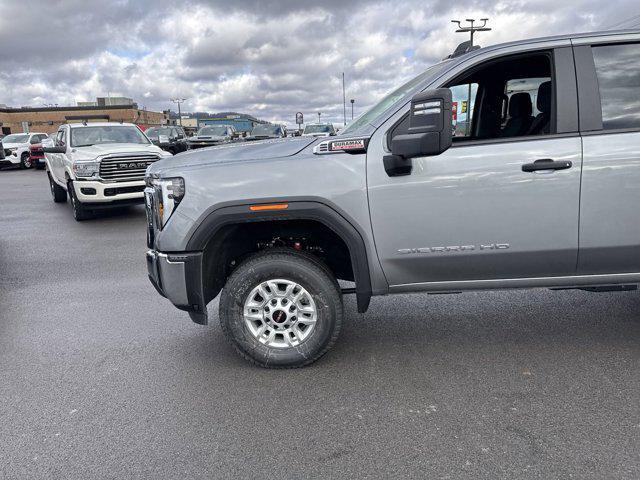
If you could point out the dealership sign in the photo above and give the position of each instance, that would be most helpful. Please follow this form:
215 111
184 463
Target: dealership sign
299 118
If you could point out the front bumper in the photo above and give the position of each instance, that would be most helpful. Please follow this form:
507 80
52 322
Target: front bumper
12 159
118 193
178 277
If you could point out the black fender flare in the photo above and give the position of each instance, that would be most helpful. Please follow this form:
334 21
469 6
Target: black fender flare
299 209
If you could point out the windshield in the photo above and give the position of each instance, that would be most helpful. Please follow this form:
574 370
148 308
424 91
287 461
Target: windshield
85 136
218 130
318 129
265 130
16 138
157 131
408 89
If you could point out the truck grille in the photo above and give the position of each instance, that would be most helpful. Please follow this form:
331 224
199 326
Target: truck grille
126 168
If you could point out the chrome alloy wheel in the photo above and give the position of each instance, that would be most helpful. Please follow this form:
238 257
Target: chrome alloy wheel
280 313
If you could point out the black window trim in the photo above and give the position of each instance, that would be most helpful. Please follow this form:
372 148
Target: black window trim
563 71
589 101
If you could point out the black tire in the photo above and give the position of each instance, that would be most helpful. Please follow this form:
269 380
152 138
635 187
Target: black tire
25 161
300 268
80 213
58 193
39 166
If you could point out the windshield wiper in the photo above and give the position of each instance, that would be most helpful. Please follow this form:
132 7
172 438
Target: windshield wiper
85 145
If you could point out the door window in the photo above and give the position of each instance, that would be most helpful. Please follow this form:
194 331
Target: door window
61 138
464 100
512 97
619 84
509 98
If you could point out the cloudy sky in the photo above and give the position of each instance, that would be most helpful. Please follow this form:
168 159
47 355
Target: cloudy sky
265 57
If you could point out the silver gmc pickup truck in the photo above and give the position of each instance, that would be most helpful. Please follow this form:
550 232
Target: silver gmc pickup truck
541 188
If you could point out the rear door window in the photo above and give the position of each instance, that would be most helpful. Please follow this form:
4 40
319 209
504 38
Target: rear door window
619 84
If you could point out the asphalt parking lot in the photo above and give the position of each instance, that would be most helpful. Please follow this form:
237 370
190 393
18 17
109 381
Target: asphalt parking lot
102 378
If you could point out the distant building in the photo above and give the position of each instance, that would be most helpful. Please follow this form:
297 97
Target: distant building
114 101
243 123
187 122
109 102
48 119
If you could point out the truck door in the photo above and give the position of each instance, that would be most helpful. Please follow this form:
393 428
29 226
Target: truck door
482 210
609 86
57 159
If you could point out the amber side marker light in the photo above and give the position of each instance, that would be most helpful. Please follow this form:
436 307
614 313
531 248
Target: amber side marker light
273 206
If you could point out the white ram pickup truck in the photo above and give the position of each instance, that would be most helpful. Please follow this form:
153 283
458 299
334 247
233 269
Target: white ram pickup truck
99 165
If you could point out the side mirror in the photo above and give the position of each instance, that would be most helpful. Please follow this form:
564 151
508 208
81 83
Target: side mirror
55 149
429 131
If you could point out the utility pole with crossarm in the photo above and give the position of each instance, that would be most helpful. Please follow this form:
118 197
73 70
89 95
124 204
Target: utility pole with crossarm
471 29
179 101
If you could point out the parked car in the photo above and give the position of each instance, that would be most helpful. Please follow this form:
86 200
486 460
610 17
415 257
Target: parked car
36 152
319 130
263 131
16 148
172 139
99 165
542 194
211 135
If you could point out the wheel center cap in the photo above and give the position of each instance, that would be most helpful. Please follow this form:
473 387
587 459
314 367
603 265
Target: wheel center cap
279 316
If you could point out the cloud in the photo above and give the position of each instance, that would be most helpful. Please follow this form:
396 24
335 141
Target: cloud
265 57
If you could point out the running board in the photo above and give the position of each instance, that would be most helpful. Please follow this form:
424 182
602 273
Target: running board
568 282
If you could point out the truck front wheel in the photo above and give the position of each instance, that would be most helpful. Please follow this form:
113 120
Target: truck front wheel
57 192
281 309
25 161
80 213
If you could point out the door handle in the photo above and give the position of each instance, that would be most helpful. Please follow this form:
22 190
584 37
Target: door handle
546 164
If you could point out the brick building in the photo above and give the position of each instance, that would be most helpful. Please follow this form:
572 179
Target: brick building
48 119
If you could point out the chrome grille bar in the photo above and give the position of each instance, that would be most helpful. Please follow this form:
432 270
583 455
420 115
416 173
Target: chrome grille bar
111 167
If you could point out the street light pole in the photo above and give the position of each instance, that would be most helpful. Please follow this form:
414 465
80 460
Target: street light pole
344 102
352 102
178 101
318 117
471 29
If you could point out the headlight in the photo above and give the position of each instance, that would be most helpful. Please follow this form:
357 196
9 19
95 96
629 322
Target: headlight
169 194
86 169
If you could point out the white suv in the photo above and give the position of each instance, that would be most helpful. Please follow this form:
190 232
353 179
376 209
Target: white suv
99 165
16 148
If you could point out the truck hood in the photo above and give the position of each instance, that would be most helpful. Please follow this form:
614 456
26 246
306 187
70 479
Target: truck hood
233 152
214 138
118 148
14 145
